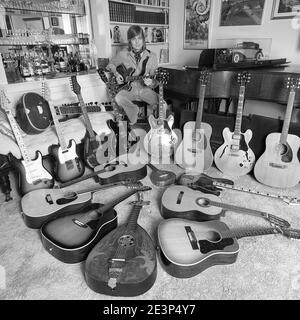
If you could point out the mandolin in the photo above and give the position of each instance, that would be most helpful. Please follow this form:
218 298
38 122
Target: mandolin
279 165
186 248
183 202
68 164
160 141
71 236
194 152
32 174
161 178
234 157
40 205
96 149
123 263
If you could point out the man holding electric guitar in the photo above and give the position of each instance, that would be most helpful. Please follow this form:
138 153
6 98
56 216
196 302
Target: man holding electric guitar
137 64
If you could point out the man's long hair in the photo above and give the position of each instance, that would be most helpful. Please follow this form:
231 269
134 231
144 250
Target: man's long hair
134 31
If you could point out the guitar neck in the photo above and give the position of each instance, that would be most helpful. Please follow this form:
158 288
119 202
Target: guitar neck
287 117
239 113
85 116
200 106
18 136
102 187
132 221
65 110
161 114
113 203
249 232
264 194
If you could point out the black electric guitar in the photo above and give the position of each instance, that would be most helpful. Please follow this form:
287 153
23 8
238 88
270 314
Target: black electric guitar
234 157
279 165
183 202
32 174
160 141
70 237
123 263
189 247
97 150
68 165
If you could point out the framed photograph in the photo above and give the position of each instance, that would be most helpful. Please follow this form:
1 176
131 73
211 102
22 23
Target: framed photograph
196 24
54 21
241 13
285 8
35 23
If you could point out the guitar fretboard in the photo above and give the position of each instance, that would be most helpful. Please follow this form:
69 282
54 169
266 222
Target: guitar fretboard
161 103
200 107
239 113
287 117
248 232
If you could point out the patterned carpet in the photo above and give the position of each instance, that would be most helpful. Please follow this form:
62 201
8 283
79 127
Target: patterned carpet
267 267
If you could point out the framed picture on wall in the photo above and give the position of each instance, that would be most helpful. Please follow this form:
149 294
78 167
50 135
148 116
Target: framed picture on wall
196 23
35 23
241 13
285 8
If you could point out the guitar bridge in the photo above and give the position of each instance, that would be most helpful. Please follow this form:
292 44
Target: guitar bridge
277 165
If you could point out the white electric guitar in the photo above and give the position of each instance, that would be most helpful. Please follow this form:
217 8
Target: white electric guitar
68 165
160 141
234 157
194 152
32 174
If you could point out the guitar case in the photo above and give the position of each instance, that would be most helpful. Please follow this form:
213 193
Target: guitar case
33 113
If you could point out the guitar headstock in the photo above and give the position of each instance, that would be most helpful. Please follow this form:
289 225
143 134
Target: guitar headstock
75 85
204 75
162 76
293 83
243 78
290 233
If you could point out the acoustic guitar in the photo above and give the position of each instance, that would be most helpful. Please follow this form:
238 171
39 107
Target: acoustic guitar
123 263
97 150
234 157
279 165
183 202
38 206
186 248
32 174
160 141
68 165
70 237
121 168
194 152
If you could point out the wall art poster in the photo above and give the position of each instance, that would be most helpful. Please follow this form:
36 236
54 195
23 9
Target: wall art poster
285 8
196 23
241 13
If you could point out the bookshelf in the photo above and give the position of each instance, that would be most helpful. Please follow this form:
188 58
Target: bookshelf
151 15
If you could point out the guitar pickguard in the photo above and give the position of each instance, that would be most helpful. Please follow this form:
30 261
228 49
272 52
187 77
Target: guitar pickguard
207 246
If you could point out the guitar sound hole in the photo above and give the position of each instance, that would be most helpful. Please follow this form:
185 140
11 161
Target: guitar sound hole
110 168
203 202
282 149
126 241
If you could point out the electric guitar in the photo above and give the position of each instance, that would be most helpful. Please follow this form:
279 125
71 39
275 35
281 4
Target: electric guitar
38 206
234 157
183 202
186 248
32 174
70 237
68 165
279 165
123 263
194 152
96 149
160 141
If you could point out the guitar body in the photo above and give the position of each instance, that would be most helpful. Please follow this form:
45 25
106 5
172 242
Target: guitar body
68 165
71 243
121 169
160 141
162 178
277 169
183 202
40 205
32 113
183 256
194 152
125 73
32 175
235 160
138 272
